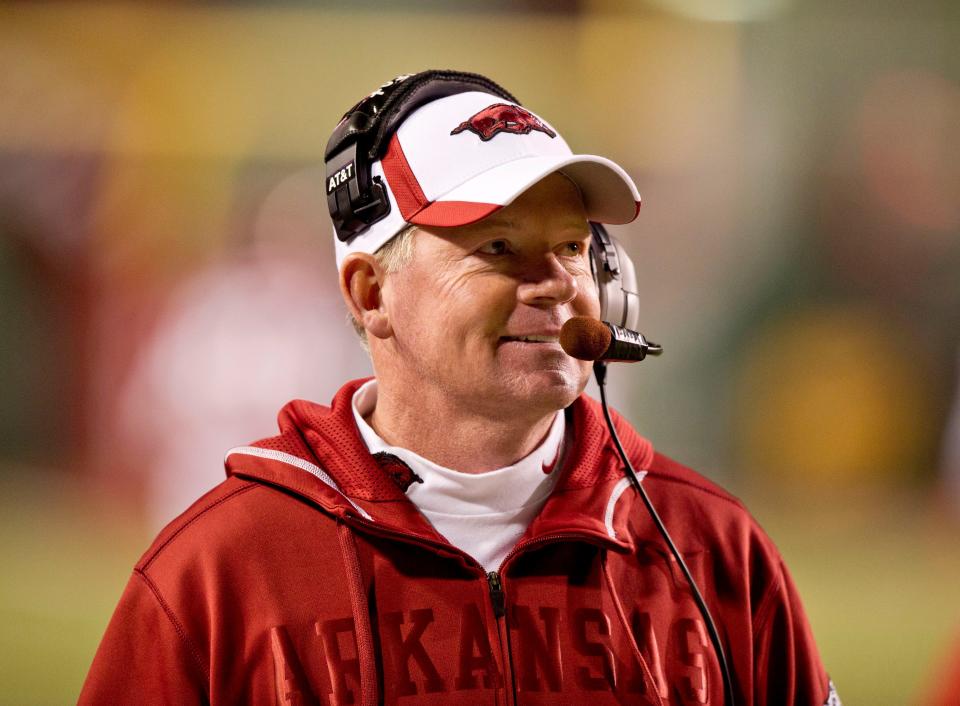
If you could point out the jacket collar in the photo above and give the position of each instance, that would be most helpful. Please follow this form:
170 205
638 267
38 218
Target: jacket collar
320 456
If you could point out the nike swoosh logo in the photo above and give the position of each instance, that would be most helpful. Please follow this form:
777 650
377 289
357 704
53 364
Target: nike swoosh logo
548 467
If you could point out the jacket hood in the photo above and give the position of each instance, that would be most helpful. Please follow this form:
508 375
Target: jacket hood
320 456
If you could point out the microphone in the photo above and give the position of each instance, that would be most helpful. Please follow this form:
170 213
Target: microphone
591 339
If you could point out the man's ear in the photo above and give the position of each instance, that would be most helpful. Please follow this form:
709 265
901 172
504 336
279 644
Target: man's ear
361 284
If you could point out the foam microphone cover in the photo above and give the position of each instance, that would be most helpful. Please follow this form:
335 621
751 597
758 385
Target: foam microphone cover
585 338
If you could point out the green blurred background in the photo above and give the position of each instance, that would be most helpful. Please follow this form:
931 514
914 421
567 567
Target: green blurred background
167 277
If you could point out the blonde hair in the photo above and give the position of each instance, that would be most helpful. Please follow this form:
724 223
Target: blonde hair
392 257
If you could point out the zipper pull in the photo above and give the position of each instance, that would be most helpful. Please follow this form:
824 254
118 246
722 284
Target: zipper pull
496 594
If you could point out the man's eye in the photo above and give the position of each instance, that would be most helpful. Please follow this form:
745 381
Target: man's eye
573 248
495 247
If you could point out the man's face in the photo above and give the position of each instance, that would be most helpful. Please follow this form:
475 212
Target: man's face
478 309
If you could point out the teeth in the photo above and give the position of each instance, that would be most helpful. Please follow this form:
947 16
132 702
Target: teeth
536 339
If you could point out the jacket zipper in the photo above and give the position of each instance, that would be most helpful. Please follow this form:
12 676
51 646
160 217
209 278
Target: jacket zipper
498 598
496 594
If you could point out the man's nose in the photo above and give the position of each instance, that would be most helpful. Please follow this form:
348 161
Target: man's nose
547 283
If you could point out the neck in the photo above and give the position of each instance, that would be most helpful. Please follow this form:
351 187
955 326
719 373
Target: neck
453 434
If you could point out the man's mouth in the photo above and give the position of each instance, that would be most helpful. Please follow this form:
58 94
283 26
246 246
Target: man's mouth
532 339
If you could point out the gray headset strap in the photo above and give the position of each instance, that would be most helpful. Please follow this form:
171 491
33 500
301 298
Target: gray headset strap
616 279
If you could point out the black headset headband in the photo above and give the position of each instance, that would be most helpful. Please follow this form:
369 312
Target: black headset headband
355 197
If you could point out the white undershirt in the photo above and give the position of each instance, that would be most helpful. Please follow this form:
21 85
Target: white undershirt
484 514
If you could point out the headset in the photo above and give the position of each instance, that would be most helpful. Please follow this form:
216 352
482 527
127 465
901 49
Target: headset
356 203
361 137
363 133
616 279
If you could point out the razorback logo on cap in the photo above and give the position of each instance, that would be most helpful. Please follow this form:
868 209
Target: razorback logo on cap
502 117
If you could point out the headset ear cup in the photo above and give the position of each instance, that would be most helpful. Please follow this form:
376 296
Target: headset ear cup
355 197
616 279
629 288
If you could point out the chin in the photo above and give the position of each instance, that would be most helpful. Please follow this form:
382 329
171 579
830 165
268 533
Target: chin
539 376
547 390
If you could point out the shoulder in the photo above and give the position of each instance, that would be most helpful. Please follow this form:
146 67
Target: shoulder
703 516
217 506
686 481
699 514
684 493
236 517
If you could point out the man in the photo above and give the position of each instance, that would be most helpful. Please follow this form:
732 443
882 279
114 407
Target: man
458 529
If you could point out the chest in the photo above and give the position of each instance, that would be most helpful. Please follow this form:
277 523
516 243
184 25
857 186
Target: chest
565 623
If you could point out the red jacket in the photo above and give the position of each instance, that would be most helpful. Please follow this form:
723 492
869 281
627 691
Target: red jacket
308 577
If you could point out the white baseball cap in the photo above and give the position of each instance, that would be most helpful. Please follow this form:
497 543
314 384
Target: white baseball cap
458 159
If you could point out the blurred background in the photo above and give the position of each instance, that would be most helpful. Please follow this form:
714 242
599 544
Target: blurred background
167 278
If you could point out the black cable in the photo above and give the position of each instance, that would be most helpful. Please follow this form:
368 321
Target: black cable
600 370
